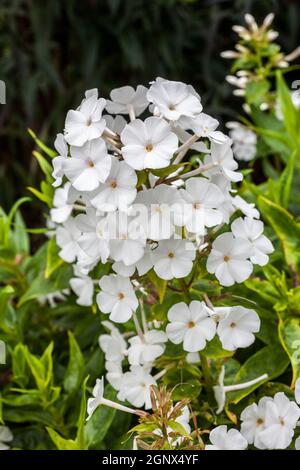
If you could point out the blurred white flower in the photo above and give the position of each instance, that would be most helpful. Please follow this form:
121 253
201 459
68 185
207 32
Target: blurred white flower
113 345
67 236
94 235
5 437
221 439
126 99
146 349
244 142
247 208
63 201
135 387
83 287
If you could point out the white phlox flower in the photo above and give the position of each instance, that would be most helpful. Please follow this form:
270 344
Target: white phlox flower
146 348
86 123
127 100
191 325
223 439
252 230
117 297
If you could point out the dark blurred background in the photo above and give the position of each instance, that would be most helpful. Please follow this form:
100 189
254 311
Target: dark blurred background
51 51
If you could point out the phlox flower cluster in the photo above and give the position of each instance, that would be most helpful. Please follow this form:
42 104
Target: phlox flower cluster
127 196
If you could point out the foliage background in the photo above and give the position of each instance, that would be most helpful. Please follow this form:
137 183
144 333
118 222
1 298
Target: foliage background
52 51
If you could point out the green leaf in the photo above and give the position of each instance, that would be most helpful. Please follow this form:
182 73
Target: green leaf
19 366
20 236
162 172
187 390
44 165
178 428
60 442
41 196
159 284
285 182
14 210
47 362
271 360
51 153
214 350
289 335
74 372
289 112
285 227
41 287
256 91
80 438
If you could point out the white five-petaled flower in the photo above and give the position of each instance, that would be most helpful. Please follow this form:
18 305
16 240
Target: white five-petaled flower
203 125
280 419
63 200
221 439
148 144
113 345
147 348
88 165
272 423
119 189
135 387
83 287
244 142
94 237
190 325
128 240
86 123
252 230
67 236
228 259
161 203
117 297
253 422
201 202
236 326
174 99
173 258
247 208
221 159
126 100
5 437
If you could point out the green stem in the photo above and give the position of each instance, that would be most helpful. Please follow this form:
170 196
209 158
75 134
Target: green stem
185 289
206 371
